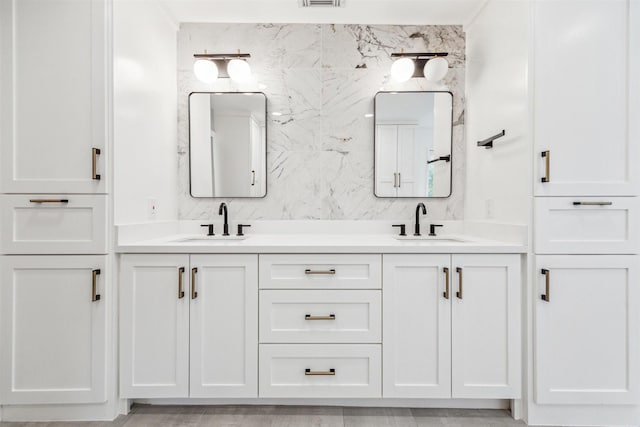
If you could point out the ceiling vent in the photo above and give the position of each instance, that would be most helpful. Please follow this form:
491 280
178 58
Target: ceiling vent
321 3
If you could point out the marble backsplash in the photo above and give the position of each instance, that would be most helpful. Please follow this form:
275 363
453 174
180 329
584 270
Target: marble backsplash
322 78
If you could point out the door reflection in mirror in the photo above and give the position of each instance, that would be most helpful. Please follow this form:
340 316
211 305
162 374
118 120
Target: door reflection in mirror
413 144
227 144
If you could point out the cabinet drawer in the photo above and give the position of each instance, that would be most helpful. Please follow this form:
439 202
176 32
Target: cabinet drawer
319 271
586 225
53 224
322 371
313 316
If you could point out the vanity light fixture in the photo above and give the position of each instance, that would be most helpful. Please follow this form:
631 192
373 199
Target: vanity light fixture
431 65
208 67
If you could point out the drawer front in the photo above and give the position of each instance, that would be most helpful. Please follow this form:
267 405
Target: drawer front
320 271
313 316
586 225
54 224
322 371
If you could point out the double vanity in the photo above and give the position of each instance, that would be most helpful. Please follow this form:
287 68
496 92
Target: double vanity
326 310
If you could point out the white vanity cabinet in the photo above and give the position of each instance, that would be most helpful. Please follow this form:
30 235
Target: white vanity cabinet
188 325
451 326
53 321
587 343
53 77
591 150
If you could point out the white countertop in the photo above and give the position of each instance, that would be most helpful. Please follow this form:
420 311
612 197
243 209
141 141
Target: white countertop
320 243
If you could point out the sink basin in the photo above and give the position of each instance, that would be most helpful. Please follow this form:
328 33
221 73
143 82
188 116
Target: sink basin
209 239
430 239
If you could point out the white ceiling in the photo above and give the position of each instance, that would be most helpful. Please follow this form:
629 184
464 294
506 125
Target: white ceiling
421 12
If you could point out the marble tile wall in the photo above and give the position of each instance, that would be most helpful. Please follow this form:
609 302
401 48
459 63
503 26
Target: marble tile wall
322 78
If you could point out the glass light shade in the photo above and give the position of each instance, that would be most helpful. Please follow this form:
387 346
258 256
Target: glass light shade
402 69
435 69
206 71
239 70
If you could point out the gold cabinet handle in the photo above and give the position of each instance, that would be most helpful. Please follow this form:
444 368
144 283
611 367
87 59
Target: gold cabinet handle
180 286
94 285
310 317
547 166
546 295
308 271
395 180
253 178
95 152
399 180
330 372
459 293
49 200
445 294
592 203
194 294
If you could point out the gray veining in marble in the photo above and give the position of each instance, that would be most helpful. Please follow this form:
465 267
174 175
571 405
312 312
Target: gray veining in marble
322 78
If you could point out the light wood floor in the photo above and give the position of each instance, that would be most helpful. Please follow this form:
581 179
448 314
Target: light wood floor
295 416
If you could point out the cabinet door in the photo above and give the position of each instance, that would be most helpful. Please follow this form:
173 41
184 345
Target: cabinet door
408 161
53 103
416 326
53 329
586 116
586 329
386 163
485 324
224 326
154 326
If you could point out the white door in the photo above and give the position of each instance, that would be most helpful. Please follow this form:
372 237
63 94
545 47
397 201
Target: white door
224 326
586 329
586 116
53 329
416 326
53 103
386 160
154 326
485 325
408 161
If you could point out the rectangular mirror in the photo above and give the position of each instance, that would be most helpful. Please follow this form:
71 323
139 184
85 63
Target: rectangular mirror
413 144
228 144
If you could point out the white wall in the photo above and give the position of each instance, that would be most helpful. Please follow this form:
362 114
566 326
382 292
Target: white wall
498 183
145 111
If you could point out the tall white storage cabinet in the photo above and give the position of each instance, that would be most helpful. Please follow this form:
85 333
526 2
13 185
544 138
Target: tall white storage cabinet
585 285
55 294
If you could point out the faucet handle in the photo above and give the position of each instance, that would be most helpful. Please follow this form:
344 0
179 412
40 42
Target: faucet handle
402 229
209 229
240 227
432 229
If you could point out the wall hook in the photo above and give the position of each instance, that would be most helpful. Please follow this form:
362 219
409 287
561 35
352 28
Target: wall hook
488 143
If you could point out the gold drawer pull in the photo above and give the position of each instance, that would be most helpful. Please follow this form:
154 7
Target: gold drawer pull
194 294
330 372
94 285
546 295
446 280
547 166
310 317
459 293
95 152
180 286
308 271
49 200
592 203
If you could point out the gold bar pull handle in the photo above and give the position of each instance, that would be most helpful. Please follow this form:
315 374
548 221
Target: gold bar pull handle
546 295
95 152
309 271
547 166
180 285
253 178
445 294
459 293
592 203
310 317
194 294
49 200
94 285
399 180
330 372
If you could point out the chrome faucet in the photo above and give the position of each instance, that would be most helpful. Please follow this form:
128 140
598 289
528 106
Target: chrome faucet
223 210
424 212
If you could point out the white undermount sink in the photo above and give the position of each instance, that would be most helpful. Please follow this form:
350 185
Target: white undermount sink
430 239
209 239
